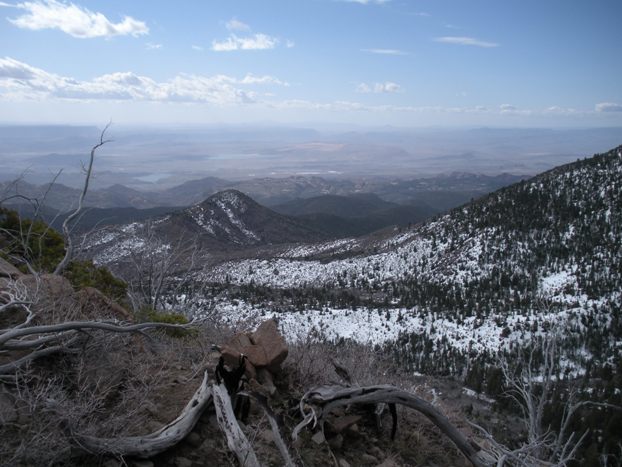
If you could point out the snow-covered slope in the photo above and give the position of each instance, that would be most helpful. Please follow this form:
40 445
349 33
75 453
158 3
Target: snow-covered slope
539 256
224 221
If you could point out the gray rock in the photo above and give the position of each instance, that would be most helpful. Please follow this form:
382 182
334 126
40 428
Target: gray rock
336 442
8 412
194 439
388 463
318 438
139 463
182 462
369 459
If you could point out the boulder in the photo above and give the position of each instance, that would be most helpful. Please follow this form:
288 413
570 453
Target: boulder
268 337
265 348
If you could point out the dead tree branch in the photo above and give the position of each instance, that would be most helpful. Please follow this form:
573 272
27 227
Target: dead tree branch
236 439
66 231
158 441
324 399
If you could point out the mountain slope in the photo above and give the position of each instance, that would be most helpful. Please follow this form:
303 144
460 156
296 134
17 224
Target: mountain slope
354 215
226 221
232 217
342 206
538 256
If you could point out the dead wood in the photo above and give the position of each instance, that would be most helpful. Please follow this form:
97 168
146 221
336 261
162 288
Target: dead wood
324 399
236 439
158 441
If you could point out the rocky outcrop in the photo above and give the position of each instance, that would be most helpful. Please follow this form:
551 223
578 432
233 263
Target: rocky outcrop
52 296
265 348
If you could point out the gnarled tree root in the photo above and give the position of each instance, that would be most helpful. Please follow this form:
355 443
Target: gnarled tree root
324 399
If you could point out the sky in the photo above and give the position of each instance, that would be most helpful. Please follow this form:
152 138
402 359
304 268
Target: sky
411 63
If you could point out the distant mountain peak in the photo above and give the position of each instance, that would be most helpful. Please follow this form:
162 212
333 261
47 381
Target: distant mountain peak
231 198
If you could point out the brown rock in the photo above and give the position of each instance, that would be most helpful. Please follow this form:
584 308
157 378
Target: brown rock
265 378
8 270
336 442
342 423
265 348
50 286
95 304
270 339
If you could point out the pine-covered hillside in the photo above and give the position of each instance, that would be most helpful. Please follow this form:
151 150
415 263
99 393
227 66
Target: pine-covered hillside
543 254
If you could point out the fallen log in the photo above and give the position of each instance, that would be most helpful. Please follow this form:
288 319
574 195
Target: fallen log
236 439
158 441
324 399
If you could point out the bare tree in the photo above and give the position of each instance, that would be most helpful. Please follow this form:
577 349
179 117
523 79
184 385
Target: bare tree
530 384
154 266
66 230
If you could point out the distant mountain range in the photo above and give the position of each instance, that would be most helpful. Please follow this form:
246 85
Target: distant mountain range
440 192
336 207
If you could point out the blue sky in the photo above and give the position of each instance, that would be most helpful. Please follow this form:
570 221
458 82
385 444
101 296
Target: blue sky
413 63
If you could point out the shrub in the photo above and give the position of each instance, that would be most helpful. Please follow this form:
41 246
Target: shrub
32 241
85 274
147 314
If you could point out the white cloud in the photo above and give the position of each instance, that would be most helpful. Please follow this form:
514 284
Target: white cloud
74 20
266 79
198 48
236 25
465 41
254 42
289 44
608 107
22 81
508 109
385 51
378 88
367 2
152 46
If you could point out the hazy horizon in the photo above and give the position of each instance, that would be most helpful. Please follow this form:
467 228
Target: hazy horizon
151 157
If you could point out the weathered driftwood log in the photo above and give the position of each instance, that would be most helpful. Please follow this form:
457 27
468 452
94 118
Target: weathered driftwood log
236 439
159 441
324 399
